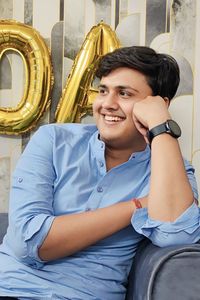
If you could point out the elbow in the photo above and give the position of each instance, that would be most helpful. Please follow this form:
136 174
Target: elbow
24 238
23 255
47 253
44 254
20 251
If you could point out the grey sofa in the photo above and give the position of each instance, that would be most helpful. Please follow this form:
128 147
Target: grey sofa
171 273
3 225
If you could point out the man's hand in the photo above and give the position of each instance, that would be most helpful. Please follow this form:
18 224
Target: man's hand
149 113
169 194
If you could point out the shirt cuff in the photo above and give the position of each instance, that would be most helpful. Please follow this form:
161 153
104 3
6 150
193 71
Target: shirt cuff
188 221
39 228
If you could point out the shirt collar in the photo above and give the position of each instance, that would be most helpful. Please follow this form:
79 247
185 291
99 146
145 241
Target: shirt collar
141 155
98 145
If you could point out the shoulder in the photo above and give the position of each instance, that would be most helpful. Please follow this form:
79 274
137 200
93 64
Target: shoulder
68 133
58 138
67 129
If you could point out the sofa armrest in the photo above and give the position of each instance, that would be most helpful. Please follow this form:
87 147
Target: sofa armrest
165 273
3 225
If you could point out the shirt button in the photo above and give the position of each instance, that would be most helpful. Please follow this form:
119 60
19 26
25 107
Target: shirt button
100 189
20 179
102 145
101 164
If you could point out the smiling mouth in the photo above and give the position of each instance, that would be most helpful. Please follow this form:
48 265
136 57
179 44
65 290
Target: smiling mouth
113 118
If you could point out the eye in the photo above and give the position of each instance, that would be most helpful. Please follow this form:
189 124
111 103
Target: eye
103 91
125 93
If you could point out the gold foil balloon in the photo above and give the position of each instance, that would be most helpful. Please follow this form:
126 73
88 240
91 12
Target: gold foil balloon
78 94
28 43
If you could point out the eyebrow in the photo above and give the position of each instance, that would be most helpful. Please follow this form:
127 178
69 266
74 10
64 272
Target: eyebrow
121 87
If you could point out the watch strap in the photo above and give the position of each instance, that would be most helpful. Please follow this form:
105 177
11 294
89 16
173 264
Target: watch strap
157 130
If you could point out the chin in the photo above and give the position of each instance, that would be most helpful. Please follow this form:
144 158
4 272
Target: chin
113 141
107 138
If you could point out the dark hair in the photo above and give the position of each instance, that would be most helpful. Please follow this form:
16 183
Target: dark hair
161 70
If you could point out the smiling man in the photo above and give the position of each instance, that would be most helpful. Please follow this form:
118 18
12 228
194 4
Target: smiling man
113 108
84 196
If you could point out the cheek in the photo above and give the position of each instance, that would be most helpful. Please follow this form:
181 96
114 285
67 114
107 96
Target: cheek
96 105
128 110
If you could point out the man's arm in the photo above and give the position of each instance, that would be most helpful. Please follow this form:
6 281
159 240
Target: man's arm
71 233
32 221
170 191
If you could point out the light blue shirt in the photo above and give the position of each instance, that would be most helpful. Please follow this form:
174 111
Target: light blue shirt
63 171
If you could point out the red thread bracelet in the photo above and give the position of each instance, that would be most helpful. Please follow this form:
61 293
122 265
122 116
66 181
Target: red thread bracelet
137 203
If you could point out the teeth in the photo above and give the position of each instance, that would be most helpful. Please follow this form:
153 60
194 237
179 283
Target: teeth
113 118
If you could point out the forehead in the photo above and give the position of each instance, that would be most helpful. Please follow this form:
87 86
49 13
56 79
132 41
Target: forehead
124 76
129 79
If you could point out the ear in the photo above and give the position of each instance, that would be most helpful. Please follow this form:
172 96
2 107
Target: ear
167 102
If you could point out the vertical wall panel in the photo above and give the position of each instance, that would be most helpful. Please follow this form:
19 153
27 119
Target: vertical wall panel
28 12
103 11
133 37
181 109
62 4
89 15
115 5
73 27
45 14
183 12
27 9
5 75
57 63
138 7
155 25
123 9
6 9
18 10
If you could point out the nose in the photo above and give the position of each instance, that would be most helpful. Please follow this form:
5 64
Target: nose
110 102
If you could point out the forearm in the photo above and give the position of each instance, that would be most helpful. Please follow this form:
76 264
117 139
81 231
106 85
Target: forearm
170 191
72 233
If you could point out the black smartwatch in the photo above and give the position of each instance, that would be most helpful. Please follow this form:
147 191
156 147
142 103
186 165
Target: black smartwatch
170 127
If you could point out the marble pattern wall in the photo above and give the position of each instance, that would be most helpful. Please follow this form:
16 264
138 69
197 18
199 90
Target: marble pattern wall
170 26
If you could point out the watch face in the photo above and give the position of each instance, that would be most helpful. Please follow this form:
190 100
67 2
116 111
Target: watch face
174 128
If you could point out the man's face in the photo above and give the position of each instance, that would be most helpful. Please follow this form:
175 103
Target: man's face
112 109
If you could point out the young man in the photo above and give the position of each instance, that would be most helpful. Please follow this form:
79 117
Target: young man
84 196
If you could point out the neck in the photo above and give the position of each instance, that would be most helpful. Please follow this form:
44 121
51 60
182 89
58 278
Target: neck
117 156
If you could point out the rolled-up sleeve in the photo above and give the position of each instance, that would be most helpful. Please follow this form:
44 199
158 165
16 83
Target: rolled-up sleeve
31 198
184 230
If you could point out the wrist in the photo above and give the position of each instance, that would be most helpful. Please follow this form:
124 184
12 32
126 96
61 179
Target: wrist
137 203
169 126
154 123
